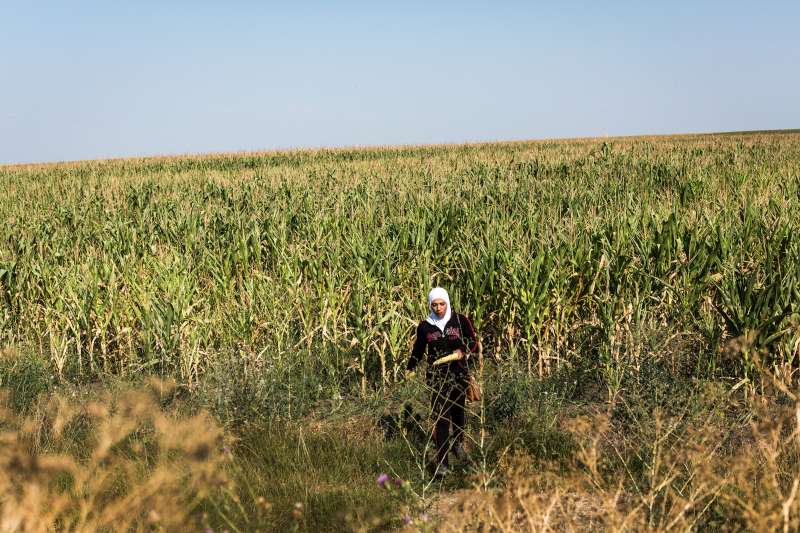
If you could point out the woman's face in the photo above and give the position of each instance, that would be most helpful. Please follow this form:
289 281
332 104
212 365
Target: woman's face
439 307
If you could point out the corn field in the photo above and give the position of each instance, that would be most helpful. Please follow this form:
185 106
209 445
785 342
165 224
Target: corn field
317 263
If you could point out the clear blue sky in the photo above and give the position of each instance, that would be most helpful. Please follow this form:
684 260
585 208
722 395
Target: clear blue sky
85 80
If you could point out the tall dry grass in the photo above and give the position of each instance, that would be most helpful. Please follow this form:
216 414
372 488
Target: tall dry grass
140 460
676 472
117 462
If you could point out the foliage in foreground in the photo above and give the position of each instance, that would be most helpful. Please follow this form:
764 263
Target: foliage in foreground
111 463
144 460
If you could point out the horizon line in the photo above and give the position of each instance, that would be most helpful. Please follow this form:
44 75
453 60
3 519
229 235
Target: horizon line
375 147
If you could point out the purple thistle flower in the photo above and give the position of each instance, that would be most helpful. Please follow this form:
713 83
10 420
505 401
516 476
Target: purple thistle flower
398 482
406 520
382 479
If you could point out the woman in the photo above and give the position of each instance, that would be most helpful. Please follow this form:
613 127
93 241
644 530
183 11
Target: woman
441 334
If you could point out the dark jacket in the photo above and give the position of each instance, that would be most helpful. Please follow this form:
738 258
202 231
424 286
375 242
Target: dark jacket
458 334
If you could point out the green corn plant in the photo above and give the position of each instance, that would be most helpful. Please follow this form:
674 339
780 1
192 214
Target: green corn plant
754 302
171 265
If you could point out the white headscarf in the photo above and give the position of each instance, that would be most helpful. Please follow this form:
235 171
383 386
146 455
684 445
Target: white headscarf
438 293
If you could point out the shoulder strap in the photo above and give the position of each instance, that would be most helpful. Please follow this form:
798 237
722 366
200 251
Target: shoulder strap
460 336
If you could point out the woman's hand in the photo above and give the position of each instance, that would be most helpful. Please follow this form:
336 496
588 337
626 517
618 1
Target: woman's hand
461 354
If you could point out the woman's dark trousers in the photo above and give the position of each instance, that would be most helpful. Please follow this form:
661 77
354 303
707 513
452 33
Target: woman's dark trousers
448 399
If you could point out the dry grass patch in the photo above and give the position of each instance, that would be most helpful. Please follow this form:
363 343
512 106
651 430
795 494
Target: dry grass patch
116 463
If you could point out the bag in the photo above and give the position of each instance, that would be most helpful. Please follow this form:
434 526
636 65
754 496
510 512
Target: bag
473 390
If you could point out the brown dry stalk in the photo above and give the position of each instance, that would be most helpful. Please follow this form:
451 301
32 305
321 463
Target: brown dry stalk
139 468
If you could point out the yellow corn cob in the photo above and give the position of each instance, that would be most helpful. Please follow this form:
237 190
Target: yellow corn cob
446 359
